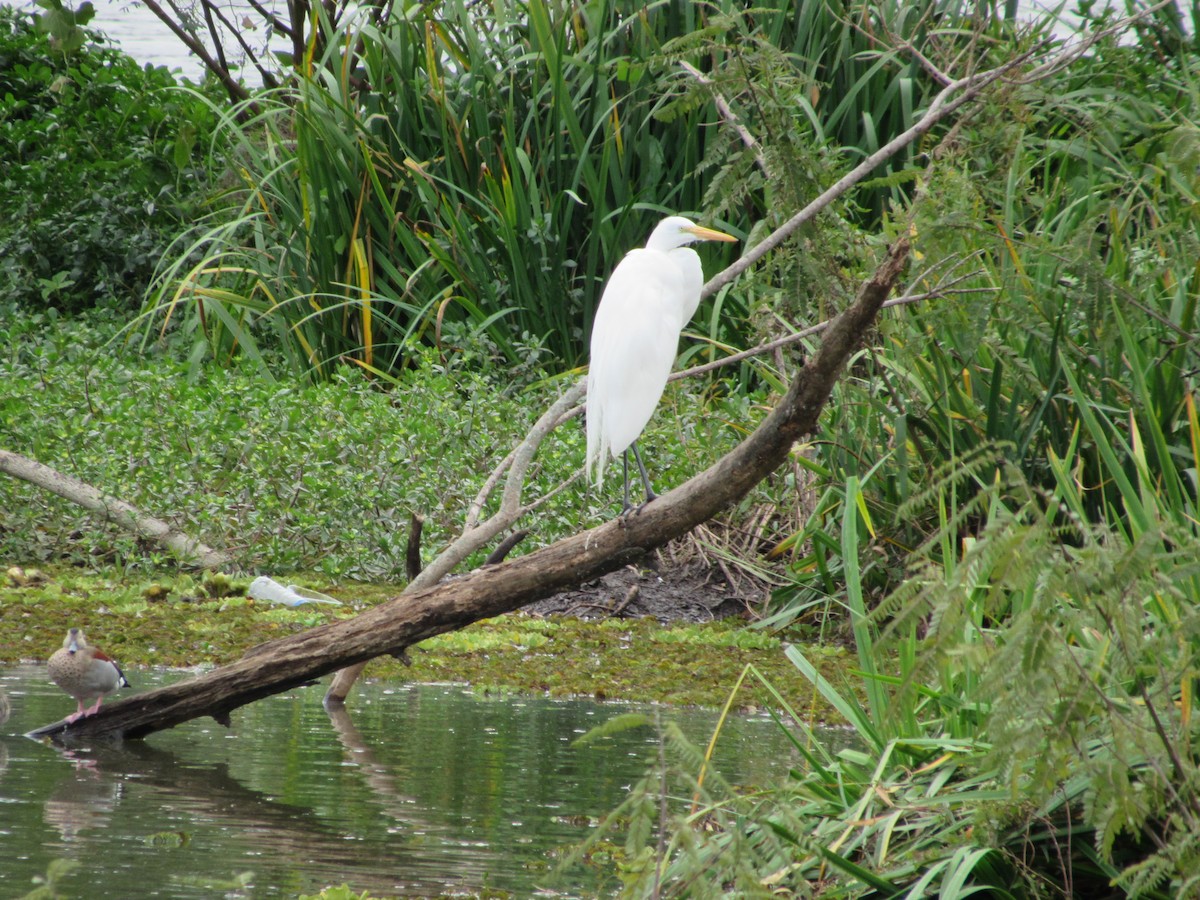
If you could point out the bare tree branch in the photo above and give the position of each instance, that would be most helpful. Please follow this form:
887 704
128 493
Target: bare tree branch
967 88
1086 41
272 20
731 117
235 90
476 535
944 288
522 455
214 35
268 79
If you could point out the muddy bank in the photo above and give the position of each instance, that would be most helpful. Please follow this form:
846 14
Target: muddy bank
668 592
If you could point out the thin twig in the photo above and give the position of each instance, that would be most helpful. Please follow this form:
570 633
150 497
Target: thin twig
795 336
214 34
730 116
475 510
927 64
559 412
770 346
273 21
1086 42
235 90
553 492
792 338
209 9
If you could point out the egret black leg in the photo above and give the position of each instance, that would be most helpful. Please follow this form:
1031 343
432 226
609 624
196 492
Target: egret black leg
650 495
625 471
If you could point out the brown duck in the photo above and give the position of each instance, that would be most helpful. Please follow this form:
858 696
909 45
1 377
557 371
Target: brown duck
84 672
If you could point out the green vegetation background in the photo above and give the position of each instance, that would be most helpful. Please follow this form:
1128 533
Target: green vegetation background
340 304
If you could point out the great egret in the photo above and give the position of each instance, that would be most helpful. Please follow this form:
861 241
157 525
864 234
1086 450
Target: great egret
84 672
650 296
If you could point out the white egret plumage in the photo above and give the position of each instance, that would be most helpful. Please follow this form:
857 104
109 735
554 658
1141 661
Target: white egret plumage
650 296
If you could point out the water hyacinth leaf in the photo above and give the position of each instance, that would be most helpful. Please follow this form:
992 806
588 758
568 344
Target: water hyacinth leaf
166 839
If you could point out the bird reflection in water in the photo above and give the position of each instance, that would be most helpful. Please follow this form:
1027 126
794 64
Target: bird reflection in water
83 800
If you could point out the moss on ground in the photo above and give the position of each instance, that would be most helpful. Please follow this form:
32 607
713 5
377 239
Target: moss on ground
184 621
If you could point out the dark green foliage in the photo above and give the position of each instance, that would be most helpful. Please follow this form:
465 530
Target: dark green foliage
474 181
98 166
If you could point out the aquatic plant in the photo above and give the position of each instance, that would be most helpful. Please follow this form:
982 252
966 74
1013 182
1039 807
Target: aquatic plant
49 885
464 175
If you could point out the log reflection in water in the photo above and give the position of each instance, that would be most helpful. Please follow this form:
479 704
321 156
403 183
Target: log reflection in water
379 778
279 834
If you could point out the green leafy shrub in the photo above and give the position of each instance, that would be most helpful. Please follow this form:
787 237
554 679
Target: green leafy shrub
99 163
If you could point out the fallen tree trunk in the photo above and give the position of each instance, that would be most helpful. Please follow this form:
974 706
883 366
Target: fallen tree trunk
189 550
491 590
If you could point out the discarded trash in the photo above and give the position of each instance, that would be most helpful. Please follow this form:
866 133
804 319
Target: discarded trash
264 588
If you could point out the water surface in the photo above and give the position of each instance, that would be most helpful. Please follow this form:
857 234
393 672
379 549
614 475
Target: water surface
419 789
137 31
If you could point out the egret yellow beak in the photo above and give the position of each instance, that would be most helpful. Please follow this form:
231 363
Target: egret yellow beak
709 234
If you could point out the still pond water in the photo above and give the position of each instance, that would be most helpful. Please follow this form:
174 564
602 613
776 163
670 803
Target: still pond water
418 789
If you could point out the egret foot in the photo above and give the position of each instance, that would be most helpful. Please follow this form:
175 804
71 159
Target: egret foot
631 510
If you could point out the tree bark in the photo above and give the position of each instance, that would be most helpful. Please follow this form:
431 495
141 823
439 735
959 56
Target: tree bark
491 590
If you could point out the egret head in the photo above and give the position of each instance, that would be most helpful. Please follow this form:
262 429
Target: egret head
676 231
